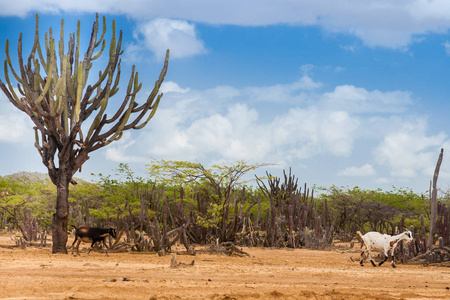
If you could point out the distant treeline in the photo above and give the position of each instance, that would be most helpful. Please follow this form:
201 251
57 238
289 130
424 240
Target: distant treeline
187 203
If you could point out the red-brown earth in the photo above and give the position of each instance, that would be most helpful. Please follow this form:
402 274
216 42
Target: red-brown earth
35 273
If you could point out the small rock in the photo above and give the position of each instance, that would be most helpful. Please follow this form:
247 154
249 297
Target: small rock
125 279
110 280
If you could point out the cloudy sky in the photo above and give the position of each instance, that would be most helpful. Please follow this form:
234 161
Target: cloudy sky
346 93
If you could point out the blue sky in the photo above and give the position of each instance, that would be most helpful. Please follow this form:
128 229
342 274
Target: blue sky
346 93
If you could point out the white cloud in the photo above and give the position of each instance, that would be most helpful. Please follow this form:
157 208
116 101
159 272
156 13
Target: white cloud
179 36
404 22
229 136
383 180
428 10
360 100
407 150
172 87
15 125
365 170
117 151
214 124
291 92
304 133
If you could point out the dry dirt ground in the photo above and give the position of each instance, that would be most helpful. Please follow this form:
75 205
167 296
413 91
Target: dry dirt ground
35 273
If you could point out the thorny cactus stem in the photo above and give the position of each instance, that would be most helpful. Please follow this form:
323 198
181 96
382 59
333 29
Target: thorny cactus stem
51 89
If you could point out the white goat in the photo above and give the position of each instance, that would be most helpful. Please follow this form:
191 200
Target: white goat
377 241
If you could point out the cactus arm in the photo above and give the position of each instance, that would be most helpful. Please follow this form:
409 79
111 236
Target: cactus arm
103 32
49 79
38 46
158 83
8 61
97 119
152 113
101 78
149 105
77 49
11 94
88 55
36 143
126 99
60 102
99 53
76 110
115 88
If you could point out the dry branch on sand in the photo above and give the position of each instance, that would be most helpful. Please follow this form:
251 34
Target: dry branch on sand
227 248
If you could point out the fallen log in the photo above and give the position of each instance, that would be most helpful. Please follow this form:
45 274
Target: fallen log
418 257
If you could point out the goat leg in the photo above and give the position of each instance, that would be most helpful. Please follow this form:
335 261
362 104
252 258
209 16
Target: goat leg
78 245
363 257
392 263
106 248
382 262
371 260
92 246
76 238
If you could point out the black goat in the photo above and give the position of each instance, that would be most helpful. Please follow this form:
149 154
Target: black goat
92 235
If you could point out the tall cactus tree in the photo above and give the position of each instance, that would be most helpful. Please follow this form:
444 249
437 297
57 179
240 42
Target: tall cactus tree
51 90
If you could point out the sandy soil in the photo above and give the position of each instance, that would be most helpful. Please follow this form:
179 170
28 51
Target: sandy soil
35 273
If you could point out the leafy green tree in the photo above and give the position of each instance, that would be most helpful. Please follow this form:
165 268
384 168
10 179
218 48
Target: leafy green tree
85 198
23 202
377 210
218 182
